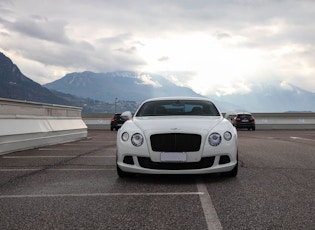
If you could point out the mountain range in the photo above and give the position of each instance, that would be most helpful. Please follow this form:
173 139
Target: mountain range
14 85
126 85
124 90
123 85
269 97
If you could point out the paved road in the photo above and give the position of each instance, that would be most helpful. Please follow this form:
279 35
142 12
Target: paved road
75 186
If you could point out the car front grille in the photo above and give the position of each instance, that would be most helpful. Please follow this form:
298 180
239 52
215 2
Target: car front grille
205 162
175 142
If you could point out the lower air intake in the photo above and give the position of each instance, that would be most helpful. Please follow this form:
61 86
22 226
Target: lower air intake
205 162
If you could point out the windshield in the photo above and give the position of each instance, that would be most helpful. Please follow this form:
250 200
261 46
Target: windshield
178 107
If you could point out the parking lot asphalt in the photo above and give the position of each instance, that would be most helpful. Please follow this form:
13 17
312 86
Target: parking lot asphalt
75 186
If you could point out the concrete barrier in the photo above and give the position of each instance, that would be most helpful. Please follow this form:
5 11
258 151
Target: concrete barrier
264 121
25 125
97 121
284 120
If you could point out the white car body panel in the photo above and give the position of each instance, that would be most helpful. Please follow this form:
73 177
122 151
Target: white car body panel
200 125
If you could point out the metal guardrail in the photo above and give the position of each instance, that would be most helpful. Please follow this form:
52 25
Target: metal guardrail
264 121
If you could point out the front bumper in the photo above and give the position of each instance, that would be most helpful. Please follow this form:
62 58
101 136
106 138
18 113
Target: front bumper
144 165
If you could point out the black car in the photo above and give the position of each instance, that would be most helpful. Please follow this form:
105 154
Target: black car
116 122
244 121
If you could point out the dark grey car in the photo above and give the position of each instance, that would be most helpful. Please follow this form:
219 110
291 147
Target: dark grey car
116 122
244 121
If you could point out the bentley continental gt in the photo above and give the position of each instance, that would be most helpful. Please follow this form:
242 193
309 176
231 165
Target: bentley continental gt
176 135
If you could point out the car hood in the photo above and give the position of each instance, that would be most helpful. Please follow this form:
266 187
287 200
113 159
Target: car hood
176 124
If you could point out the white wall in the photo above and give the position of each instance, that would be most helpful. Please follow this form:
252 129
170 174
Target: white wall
25 125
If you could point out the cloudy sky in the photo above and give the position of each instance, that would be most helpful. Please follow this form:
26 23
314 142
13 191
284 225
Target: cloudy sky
221 46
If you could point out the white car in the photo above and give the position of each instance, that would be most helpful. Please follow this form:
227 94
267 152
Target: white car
176 135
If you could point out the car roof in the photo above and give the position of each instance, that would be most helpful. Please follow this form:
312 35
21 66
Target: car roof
244 113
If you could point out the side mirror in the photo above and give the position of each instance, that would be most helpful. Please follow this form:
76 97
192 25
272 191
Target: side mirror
126 115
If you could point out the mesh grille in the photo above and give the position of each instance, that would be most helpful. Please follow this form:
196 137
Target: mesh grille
175 142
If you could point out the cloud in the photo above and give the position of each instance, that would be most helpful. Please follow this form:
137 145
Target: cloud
128 50
40 28
285 85
147 80
236 88
164 58
206 45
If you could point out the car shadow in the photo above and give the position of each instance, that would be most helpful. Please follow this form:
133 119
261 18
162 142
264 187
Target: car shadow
175 179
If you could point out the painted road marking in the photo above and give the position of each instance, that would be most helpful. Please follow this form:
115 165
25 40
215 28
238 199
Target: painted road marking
60 149
27 157
101 194
300 138
20 170
209 211
94 142
54 169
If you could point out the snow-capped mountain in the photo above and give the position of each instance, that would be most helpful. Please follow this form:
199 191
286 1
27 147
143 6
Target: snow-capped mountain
276 97
123 85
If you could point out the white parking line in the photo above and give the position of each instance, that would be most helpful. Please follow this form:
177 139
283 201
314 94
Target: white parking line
19 170
99 156
94 141
71 156
59 149
77 169
76 144
300 138
211 216
53 149
28 157
54 169
101 194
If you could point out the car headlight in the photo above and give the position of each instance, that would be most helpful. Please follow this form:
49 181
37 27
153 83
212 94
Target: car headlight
137 139
125 136
214 139
227 136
